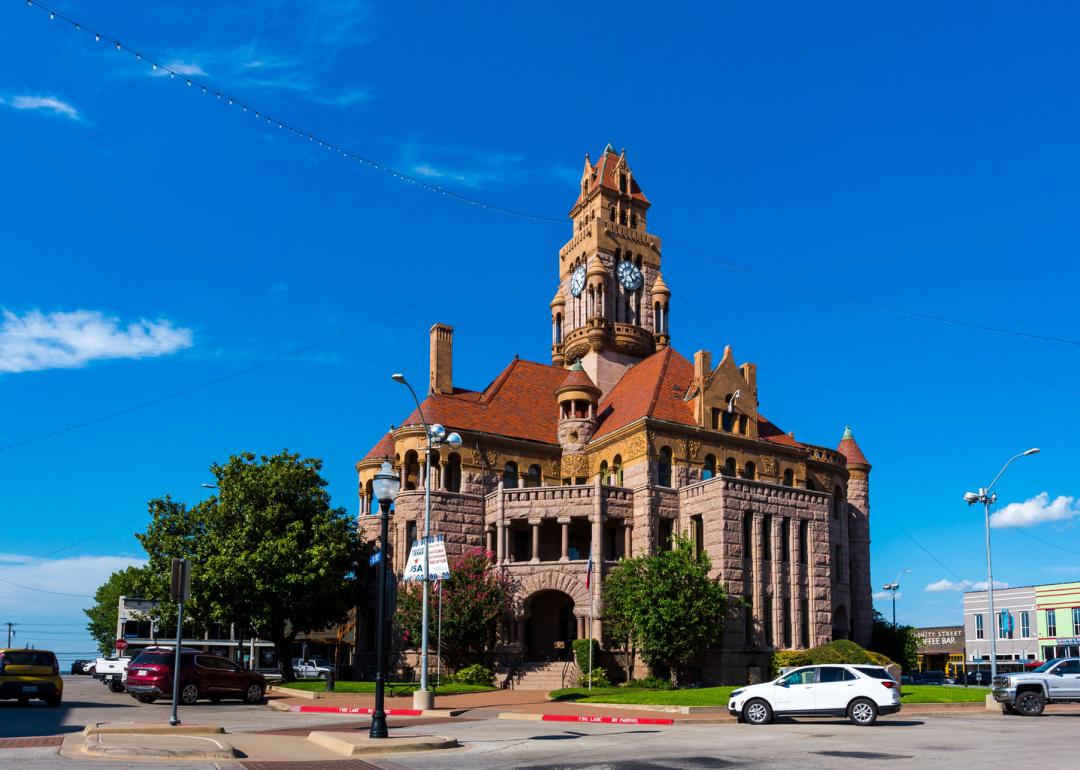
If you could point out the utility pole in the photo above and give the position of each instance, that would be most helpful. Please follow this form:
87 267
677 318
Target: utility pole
10 632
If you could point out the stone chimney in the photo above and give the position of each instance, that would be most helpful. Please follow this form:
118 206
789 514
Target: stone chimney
749 373
441 365
702 365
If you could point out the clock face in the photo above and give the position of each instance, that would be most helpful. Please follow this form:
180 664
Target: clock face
577 281
629 275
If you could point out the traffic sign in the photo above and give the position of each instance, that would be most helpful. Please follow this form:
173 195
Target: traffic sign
121 644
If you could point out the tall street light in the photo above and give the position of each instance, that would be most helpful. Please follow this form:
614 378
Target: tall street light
988 498
892 588
384 487
436 435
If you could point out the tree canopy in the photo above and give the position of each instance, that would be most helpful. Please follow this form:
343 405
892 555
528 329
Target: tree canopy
132 581
666 605
267 551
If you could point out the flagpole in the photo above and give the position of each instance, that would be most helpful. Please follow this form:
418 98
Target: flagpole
438 648
588 587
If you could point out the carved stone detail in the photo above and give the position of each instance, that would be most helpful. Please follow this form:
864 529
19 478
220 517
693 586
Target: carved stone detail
635 446
691 448
770 465
824 482
554 468
575 465
488 457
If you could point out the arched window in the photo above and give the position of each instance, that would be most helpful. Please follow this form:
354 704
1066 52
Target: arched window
633 220
727 419
616 470
622 216
611 213
435 470
709 471
558 329
749 470
605 477
412 470
837 503
622 183
810 484
789 477
729 467
510 475
663 467
453 472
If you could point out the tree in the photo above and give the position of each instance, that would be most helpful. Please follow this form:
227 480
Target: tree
898 642
475 597
267 551
666 605
132 581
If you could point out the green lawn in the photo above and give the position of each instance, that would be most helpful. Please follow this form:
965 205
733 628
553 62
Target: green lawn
700 696
718 696
398 688
936 693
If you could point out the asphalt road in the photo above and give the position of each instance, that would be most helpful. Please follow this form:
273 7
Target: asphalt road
931 742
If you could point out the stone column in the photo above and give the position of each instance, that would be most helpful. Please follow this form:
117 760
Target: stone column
756 565
628 538
564 523
489 536
500 530
535 524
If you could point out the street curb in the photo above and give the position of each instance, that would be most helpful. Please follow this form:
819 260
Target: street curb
586 719
199 747
361 745
150 728
368 711
711 710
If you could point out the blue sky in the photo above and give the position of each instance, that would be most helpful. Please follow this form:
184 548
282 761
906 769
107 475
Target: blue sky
160 246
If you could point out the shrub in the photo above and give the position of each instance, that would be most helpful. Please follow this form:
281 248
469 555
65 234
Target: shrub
788 659
475 674
581 654
651 683
598 677
878 659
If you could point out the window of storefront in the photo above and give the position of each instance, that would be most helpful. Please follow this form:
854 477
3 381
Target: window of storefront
1025 625
1076 621
978 626
1051 623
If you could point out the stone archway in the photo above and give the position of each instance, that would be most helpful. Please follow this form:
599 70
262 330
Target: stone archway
841 627
550 626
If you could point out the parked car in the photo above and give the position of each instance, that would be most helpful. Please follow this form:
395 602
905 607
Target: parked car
202 675
29 674
111 672
80 667
928 677
309 669
1028 692
859 693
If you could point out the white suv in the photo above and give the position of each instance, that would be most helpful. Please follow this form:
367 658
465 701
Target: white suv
859 693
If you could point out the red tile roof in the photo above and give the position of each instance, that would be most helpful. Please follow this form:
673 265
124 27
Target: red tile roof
385 448
654 387
520 402
605 175
578 378
769 432
849 449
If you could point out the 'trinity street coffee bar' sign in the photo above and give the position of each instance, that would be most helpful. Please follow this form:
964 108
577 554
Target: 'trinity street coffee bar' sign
941 637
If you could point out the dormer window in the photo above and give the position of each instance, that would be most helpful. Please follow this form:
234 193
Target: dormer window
633 220
623 183
622 217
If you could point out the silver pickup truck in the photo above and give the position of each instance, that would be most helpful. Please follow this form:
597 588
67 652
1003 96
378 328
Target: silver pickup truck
1027 693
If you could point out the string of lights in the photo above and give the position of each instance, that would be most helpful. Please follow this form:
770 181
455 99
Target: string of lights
271 121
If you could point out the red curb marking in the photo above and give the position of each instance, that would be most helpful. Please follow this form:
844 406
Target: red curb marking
354 710
606 720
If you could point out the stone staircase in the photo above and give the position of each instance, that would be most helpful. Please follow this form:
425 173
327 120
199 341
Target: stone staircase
545 676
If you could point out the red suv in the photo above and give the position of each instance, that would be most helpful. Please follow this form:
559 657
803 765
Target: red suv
202 675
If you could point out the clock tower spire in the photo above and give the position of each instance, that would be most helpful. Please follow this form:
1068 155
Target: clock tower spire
607 312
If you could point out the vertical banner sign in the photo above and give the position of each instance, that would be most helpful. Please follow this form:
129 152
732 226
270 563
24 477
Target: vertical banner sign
437 562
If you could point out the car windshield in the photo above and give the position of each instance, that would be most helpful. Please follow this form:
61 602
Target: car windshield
1045 666
28 658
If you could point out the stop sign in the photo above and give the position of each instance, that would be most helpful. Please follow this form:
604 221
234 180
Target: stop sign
121 644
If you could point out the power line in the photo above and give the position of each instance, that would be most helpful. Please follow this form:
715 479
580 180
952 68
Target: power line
44 590
922 547
1044 542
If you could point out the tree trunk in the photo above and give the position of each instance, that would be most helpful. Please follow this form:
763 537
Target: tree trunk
283 648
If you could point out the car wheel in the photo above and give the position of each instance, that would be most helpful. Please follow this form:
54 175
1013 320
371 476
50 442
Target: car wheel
862 712
253 694
1030 703
757 712
116 686
146 698
189 693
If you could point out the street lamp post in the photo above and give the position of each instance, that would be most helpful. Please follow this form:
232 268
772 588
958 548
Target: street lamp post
988 498
384 487
892 588
436 435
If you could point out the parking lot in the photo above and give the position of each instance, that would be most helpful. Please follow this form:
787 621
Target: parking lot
492 743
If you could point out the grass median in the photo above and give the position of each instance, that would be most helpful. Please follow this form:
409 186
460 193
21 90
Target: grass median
398 688
718 696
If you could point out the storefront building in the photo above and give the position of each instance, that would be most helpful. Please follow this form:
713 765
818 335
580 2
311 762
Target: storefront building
939 647
1058 607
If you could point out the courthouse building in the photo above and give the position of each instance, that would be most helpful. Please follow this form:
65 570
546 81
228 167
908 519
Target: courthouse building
620 443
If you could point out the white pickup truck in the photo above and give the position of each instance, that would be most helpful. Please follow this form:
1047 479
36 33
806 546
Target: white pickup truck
310 669
112 672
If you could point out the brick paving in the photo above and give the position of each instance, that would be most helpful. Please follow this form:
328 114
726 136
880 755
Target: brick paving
31 743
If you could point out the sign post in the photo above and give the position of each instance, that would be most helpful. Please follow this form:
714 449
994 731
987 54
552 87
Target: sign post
179 592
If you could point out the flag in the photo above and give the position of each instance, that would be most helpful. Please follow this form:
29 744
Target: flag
588 572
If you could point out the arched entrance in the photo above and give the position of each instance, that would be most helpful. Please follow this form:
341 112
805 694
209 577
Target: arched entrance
840 626
550 626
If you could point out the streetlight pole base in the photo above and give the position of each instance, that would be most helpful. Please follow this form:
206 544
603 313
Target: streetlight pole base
423 700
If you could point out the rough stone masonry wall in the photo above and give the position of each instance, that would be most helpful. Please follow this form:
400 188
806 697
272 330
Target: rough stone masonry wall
458 517
862 607
722 504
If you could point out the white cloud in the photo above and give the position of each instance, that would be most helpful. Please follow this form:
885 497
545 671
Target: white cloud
886 596
62 582
962 585
37 341
1064 569
50 104
187 69
1037 510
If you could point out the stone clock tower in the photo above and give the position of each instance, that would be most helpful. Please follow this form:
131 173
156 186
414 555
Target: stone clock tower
611 308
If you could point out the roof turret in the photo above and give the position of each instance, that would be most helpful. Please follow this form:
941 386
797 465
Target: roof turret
849 449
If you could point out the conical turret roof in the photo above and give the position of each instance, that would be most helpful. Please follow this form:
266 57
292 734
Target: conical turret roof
849 449
659 287
577 379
